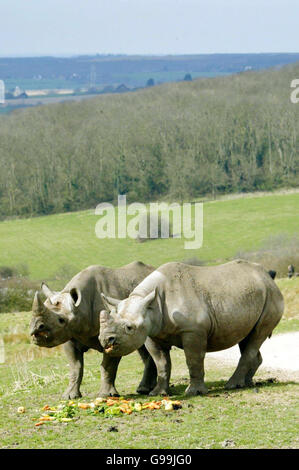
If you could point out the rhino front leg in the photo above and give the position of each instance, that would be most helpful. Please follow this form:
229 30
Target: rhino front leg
162 360
195 349
149 379
76 365
108 373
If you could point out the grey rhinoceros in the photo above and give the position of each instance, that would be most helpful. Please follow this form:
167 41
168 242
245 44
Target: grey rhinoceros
199 309
71 317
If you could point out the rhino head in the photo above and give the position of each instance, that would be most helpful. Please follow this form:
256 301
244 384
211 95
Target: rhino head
50 323
125 324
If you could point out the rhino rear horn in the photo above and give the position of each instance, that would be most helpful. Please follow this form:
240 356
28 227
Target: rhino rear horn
109 302
48 293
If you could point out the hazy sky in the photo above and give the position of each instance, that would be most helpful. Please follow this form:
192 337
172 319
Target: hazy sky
64 27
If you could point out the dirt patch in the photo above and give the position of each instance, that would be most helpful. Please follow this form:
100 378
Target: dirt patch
280 353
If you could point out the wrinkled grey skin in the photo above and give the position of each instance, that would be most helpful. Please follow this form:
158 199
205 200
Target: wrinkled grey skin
198 309
72 317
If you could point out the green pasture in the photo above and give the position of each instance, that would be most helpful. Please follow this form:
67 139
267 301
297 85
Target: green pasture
32 377
66 243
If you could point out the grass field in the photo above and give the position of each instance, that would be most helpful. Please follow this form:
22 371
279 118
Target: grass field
33 377
258 417
66 243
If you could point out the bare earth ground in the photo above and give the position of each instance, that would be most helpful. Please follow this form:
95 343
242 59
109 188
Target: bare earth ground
280 353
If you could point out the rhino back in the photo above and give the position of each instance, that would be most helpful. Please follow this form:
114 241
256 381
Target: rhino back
228 299
96 279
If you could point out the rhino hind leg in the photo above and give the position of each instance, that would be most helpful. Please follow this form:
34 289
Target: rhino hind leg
249 362
251 358
149 379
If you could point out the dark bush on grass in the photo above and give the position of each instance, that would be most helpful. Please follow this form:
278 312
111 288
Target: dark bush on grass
276 253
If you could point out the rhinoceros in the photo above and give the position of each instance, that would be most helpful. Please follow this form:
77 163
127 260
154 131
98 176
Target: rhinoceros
71 317
198 309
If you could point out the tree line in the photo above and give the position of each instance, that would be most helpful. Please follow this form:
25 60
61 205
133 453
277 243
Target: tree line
176 141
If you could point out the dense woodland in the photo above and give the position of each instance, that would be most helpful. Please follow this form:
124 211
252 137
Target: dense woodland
176 141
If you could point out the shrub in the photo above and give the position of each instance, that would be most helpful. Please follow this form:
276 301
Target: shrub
16 294
276 253
194 261
150 221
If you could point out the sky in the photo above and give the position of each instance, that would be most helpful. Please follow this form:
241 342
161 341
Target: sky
74 27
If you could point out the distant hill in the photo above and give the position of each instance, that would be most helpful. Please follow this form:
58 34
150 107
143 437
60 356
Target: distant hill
61 72
177 141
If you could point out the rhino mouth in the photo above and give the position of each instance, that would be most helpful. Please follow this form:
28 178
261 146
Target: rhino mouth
111 348
42 338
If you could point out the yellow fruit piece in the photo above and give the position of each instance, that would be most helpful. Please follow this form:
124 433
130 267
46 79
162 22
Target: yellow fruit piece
66 420
168 407
21 409
138 407
99 400
83 406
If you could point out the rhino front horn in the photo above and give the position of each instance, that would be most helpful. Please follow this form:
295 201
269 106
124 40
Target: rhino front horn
37 306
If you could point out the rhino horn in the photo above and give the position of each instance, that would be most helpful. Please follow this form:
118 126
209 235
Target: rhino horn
38 306
48 293
109 301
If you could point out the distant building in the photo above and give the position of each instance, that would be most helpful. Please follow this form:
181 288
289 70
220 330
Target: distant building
122 89
17 92
2 92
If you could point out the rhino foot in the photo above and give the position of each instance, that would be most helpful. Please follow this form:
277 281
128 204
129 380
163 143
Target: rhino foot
144 389
193 390
108 392
159 391
71 394
233 384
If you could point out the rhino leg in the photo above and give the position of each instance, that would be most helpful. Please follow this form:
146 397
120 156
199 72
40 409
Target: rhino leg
254 366
195 349
249 362
162 360
74 354
108 373
149 379
251 357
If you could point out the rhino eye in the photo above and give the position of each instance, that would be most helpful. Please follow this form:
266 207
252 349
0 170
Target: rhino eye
129 328
61 321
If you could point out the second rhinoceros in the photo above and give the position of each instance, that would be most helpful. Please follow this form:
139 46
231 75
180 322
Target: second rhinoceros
199 309
71 317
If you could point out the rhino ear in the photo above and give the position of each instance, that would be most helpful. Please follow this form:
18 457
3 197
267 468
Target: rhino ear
109 302
48 293
76 296
150 299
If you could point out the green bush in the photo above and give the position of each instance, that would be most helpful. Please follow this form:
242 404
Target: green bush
16 295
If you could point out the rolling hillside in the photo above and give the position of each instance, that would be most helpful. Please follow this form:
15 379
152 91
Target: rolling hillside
58 246
179 141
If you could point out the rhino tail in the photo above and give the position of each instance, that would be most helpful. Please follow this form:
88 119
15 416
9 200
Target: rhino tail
272 273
